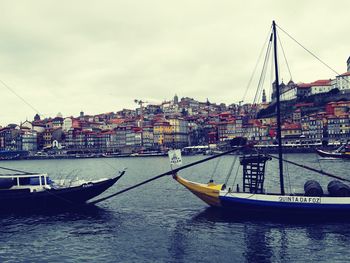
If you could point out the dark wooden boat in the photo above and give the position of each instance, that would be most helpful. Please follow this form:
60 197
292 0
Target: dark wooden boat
27 192
343 152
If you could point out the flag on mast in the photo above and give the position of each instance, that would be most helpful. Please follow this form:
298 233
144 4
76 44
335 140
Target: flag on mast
175 157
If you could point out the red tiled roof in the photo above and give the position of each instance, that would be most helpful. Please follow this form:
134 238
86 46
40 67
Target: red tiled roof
344 115
339 103
331 116
304 104
321 82
291 126
304 85
345 74
108 132
137 129
164 123
116 121
225 113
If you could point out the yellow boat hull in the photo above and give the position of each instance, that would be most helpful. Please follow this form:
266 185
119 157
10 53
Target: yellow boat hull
209 193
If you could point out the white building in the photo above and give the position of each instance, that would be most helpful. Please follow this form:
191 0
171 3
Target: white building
289 94
27 124
67 124
321 86
343 81
29 140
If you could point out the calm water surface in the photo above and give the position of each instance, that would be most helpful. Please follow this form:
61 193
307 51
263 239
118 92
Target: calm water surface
163 222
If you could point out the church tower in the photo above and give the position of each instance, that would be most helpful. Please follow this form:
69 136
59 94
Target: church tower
263 96
37 117
176 99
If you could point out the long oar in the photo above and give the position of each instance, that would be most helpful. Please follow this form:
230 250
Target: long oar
312 169
164 174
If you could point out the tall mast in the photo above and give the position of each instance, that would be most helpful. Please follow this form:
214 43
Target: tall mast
279 137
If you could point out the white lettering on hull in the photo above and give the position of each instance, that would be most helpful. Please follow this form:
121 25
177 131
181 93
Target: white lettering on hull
300 199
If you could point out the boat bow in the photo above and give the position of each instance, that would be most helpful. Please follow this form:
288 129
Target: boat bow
209 193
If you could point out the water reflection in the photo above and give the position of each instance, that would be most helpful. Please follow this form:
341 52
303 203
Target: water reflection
261 240
257 244
256 234
91 214
178 244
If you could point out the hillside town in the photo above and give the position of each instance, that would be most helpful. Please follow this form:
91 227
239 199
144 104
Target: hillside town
313 114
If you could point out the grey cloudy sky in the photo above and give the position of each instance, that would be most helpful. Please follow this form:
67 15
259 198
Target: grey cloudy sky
98 56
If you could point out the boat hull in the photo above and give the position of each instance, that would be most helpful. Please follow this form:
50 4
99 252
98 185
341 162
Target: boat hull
209 193
332 154
267 205
287 205
70 197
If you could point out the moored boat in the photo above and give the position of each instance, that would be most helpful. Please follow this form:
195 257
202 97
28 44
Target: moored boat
343 152
259 203
115 155
148 154
252 198
29 191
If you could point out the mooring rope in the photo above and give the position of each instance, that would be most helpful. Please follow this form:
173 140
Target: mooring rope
312 169
15 170
171 172
230 170
214 171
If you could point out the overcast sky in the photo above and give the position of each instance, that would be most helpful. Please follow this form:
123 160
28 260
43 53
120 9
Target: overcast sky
98 56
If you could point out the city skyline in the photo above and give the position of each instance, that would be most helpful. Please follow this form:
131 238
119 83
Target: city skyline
99 57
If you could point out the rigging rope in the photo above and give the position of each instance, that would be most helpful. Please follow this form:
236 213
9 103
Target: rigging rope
20 97
319 163
171 172
312 169
311 53
214 171
272 76
263 72
256 65
288 176
230 170
234 179
284 55
260 85
15 170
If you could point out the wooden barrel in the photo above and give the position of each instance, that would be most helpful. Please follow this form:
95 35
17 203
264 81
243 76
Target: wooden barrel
338 189
313 188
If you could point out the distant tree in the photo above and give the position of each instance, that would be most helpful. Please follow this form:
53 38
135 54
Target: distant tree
334 91
158 111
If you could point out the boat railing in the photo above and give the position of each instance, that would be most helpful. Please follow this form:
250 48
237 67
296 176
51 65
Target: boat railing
39 181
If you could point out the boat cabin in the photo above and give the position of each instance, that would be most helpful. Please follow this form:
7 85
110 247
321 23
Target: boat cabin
33 182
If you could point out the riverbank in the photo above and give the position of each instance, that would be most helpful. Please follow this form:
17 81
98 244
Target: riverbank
271 149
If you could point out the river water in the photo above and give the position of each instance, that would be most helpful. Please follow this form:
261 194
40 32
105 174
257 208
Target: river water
163 222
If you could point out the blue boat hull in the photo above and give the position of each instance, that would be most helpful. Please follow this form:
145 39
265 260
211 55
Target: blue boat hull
281 209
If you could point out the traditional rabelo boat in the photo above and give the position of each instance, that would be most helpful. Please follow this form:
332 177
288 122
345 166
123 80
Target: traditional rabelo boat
252 198
343 152
23 191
